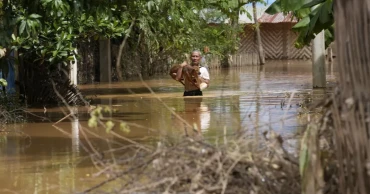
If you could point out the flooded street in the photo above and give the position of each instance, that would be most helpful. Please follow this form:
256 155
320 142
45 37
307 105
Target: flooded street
37 157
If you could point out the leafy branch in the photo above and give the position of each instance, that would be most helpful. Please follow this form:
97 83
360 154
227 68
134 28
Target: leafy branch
313 17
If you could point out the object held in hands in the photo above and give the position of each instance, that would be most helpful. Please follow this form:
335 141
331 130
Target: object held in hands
191 74
173 71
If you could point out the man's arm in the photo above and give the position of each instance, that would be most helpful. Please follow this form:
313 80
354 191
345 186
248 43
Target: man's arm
205 80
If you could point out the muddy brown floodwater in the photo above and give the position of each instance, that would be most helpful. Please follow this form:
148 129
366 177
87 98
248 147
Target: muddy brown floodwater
39 158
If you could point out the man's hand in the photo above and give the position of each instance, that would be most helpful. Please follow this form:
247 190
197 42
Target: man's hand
183 64
204 80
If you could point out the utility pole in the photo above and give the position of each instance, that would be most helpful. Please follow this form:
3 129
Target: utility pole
318 61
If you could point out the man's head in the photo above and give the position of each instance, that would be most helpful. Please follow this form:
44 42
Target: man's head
196 56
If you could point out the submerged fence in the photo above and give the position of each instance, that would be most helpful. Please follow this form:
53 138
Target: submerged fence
237 60
244 59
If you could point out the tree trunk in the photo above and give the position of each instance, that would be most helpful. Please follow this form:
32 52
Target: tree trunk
351 104
120 52
258 33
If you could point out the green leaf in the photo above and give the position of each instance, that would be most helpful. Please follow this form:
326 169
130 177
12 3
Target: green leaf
249 16
3 82
83 17
34 16
303 23
150 5
22 27
63 53
274 8
124 127
329 36
2 52
109 126
93 122
303 154
301 13
284 6
311 3
107 109
292 5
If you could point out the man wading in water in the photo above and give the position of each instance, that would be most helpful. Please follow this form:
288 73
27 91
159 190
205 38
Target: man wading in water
196 78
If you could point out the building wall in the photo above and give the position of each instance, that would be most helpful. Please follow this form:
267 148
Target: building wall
277 40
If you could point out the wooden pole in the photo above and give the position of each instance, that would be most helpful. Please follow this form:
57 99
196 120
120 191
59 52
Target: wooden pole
318 61
105 61
258 33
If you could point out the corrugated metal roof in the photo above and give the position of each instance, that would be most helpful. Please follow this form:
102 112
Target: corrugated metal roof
277 18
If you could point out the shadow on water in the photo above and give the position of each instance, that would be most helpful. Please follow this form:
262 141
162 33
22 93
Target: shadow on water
38 158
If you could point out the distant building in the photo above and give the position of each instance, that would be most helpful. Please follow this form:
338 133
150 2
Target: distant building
277 39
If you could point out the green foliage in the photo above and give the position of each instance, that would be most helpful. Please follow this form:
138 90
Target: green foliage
49 30
109 126
313 15
223 38
3 65
50 36
28 24
46 33
3 82
97 117
11 108
124 127
2 52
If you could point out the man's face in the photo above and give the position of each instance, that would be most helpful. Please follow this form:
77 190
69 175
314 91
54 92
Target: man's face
195 58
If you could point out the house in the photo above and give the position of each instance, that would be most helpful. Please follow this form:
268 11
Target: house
277 40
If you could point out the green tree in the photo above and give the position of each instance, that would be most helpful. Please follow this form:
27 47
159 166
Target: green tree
46 32
231 9
313 15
